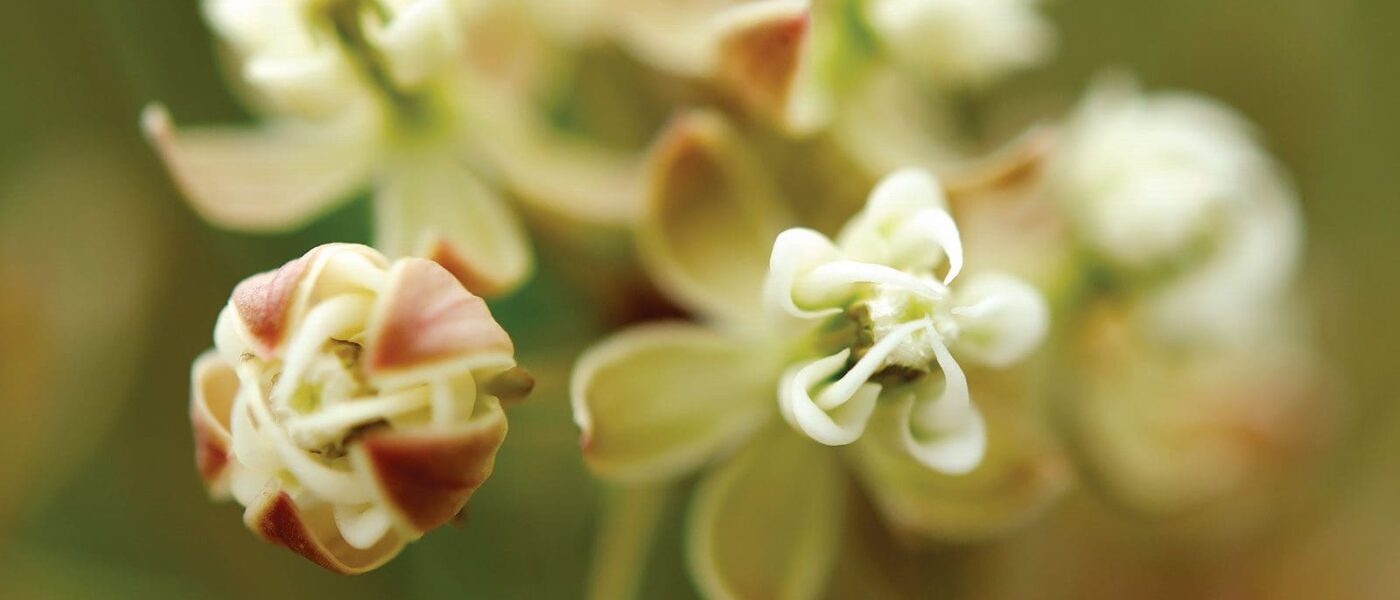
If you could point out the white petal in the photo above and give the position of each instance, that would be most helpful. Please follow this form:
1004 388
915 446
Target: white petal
835 425
1000 319
795 253
837 393
361 528
418 41
834 282
271 179
946 433
894 206
919 241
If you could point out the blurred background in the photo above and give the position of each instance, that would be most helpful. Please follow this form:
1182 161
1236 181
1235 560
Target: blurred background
109 286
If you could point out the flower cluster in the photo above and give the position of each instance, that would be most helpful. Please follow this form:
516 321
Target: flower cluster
885 328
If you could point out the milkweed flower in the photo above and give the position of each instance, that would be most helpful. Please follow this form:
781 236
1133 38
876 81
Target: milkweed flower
351 404
1175 198
1212 434
799 61
365 94
809 345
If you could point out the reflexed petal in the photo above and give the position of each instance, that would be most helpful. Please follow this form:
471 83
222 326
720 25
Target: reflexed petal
1019 477
926 234
426 323
944 431
658 400
427 475
904 222
432 206
768 523
832 423
312 533
795 253
1000 319
271 179
710 219
214 386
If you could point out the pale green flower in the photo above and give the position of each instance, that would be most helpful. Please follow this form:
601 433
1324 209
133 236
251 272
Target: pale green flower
810 345
388 95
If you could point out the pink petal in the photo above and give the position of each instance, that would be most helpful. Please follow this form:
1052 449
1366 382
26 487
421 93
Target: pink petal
426 317
427 477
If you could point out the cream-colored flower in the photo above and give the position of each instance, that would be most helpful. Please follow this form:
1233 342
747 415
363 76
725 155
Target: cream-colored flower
380 95
352 404
1174 194
801 63
961 42
1214 433
851 343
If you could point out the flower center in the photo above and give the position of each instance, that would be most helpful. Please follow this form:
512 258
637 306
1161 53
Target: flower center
882 319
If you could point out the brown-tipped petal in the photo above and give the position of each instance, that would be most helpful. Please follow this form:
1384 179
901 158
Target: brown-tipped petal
761 53
427 476
433 206
1013 166
709 219
313 534
426 318
214 386
264 301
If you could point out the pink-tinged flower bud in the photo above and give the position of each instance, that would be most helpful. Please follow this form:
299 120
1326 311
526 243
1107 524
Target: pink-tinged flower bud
352 404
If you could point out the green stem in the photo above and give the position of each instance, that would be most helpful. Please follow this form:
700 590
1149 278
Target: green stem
624 539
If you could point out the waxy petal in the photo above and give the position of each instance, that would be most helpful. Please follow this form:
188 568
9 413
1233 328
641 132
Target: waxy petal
263 304
831 425
426 322
905 225
275 178
214 385
1000 319
426 476
432 206
312 533
942 429
767 524
796 253
710 218
659 400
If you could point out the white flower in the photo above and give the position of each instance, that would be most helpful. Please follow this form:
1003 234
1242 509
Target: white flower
1176 184
961 42
352 404
814 359
908 323
378 95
